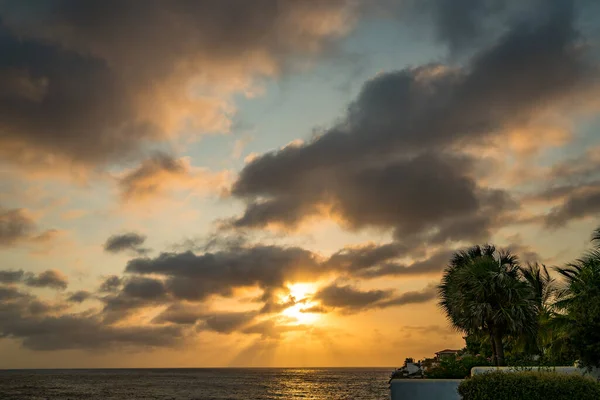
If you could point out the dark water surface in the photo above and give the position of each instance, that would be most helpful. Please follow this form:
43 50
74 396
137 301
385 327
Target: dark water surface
205 383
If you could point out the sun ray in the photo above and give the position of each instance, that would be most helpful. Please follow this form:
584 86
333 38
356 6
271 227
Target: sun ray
301 293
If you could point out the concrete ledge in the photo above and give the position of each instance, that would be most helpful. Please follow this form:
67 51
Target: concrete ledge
424 389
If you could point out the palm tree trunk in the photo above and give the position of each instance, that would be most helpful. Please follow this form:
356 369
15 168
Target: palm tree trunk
493 346
499 346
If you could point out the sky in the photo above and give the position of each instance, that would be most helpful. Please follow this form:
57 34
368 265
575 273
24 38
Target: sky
278 183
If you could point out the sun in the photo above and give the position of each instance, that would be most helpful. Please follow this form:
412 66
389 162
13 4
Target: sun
301 293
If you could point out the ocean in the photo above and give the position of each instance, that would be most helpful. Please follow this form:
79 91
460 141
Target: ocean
200 384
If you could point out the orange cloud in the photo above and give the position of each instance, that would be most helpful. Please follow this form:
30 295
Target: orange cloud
161 174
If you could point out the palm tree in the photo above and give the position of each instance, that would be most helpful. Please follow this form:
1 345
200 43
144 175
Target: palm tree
551 337
544 289
580 300
482 290
596 237
542 284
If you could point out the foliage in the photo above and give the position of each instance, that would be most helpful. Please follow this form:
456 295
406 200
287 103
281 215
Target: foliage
521 315
549 343
483 290
528 386
452 367
478 342
580 300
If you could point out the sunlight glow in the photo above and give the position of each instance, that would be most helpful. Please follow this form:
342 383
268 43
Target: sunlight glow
301 292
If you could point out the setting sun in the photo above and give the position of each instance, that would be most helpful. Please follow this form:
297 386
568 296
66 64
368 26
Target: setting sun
301 293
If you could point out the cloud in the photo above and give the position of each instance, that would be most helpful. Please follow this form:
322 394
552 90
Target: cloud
51 278
580 203
80 296
10 293
123 242
434 264
369 255
11 276
403 157
270 329
76 92
76 331
227 322
315 310
162 173
136 293
41 325
110 284
195 277
144 288
179 313
15 226
428 330
204 320
18 226
413 297
348 299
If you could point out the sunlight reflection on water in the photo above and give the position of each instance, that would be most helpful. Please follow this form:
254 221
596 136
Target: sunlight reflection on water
214 384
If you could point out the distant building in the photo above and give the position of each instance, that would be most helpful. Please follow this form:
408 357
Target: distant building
445 353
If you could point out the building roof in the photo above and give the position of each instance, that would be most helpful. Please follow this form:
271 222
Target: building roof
447 351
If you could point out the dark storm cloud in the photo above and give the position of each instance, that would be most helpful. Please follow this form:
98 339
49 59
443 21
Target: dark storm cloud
388 164
130 241
466 25
461 22
195 277
51 278
577 205
15 226
413 297
45 326
179 313
227 322
80 296
9 293
81 332
190 314
137 293
144 288
11 276
573 190
363 257
76 77
348 299
110 284
61 102
434 264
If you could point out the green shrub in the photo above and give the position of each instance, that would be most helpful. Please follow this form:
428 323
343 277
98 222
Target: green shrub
528 386
452 367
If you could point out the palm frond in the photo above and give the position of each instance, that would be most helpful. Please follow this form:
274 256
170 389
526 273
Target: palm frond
596 237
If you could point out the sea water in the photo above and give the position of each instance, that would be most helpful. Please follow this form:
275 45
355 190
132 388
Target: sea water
201 384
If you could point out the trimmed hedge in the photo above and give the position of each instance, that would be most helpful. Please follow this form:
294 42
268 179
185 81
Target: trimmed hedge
529 386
